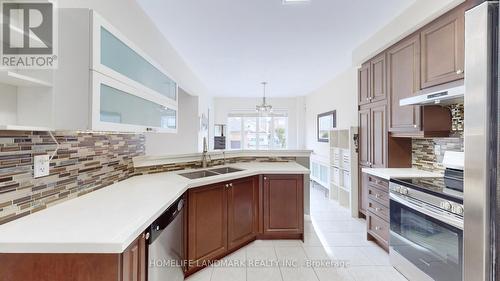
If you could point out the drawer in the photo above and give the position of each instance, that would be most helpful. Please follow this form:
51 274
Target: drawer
378 183
378 195
378 228
379 209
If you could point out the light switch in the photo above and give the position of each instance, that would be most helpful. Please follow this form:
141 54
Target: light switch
437 150
41 166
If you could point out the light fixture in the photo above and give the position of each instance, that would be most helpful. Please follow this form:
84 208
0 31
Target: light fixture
264 107
285 2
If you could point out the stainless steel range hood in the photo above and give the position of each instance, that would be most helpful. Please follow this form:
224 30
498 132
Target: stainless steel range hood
449 93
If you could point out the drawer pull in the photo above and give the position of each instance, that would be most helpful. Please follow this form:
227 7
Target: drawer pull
378 228
378 209
377 196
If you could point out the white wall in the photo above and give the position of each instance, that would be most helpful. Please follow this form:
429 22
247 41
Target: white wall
339 94
294 106
128 17
186 139
8 104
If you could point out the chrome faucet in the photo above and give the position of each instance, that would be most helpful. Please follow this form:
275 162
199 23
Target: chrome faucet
205 158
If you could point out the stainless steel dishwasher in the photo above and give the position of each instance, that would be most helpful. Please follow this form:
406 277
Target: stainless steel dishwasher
166 245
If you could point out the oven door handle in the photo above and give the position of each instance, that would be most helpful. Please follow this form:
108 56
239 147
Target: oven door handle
443 217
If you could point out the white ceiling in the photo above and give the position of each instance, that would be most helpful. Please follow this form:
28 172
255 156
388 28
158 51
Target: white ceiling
233 45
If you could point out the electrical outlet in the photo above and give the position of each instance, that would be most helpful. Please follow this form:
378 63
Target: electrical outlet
437 150
41 166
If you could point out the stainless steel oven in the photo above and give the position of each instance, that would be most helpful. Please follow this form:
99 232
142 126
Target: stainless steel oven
426 233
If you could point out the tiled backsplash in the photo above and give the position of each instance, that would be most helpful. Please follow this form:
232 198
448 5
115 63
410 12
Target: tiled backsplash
84 162
197 164
428 154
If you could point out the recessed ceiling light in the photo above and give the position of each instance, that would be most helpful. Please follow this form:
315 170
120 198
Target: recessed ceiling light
295 1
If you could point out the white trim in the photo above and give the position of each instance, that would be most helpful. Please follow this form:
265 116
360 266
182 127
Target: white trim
97 22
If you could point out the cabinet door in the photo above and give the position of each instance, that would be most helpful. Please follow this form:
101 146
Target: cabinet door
364 137
119 107
242 211
364 84
378 79
442 48
207 222
403 64
134 260
283 205
378 133
363 194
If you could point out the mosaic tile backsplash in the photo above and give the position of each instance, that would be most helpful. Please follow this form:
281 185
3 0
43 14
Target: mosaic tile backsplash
427 154
83 163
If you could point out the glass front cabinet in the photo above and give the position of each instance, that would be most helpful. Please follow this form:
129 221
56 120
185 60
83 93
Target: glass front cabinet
127 91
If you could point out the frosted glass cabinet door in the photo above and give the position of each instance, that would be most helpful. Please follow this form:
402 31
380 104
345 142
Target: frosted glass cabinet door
120 57
123 108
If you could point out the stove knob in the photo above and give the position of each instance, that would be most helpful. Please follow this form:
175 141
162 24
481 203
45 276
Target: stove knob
447 206
397 189
404 191
459 210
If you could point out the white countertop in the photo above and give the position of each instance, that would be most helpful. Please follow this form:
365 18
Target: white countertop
109 219
146 161
388 173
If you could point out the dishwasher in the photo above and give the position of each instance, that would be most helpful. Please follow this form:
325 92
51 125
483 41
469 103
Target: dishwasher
166 244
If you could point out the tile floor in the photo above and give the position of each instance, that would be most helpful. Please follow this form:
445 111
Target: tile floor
331 238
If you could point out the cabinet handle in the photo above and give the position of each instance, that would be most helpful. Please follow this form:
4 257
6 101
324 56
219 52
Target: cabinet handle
378 228
460 71
377 209
231 185
367 99
265 178
227 185
147 235
377 195
414 125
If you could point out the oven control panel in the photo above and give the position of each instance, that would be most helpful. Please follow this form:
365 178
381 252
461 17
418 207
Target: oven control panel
436 201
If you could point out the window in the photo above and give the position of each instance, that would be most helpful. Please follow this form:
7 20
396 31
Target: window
258 132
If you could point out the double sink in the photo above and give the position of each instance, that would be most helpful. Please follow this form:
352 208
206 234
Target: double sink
210 173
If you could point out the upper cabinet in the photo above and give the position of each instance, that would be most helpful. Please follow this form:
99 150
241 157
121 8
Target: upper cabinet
442 48
378 81
111 85
372 81
403 73
364 84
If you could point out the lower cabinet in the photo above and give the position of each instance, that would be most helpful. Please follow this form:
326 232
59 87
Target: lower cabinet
283 206
226 216
377 209
134 261
221 218
131 265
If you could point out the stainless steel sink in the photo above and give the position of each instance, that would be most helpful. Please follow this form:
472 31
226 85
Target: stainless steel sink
198 174
209 173
225 170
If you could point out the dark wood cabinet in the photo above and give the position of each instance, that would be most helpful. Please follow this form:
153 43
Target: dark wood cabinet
364 137
378 136
363 194
283 202
364 84
131 265
442 49
403 76
377 215
207 222
134 260
378 79
242 212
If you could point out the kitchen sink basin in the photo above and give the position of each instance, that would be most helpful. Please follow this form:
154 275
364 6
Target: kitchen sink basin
198 174
225 170
209 173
